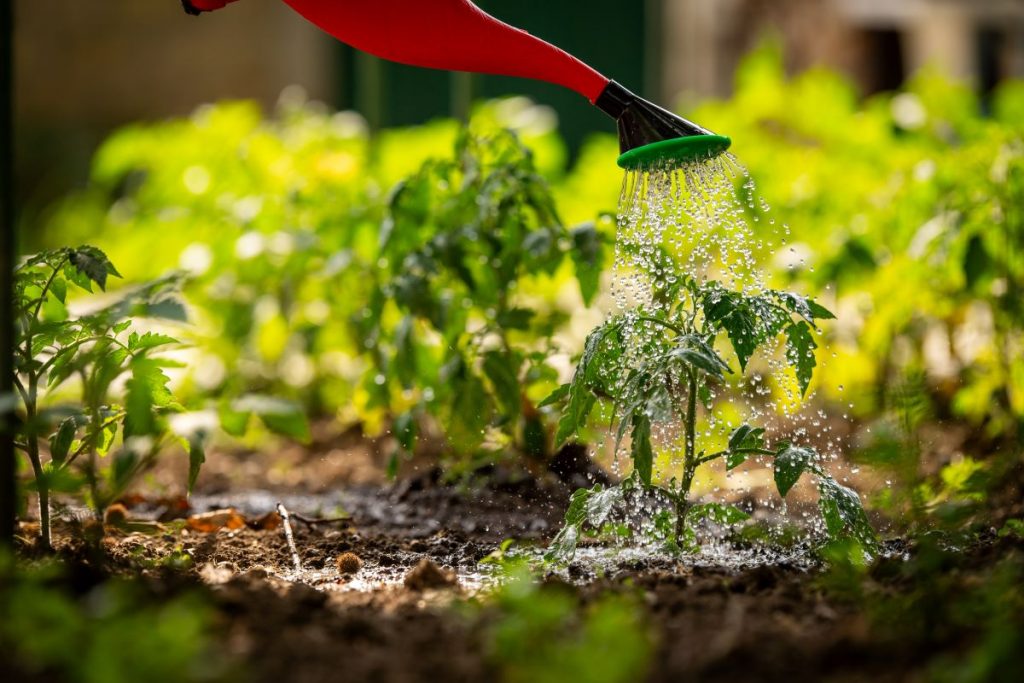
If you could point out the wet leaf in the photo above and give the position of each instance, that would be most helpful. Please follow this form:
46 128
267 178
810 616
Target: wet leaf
800 346
843 512
60 442
717 513
642 452
790 463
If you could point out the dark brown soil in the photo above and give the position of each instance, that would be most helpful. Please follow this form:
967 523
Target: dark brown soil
395 614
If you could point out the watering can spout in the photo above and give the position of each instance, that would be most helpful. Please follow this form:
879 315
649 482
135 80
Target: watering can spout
456 35
648 133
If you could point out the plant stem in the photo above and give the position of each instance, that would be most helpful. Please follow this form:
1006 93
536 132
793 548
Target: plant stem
37 470
690 461
667 325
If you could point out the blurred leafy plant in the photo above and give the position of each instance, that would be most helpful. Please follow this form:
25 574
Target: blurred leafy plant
51 631
96 350
538 634
451 328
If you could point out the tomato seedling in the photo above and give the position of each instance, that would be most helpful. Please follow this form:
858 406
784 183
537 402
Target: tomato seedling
656 365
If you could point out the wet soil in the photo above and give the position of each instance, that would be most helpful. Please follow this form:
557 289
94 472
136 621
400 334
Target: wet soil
402 614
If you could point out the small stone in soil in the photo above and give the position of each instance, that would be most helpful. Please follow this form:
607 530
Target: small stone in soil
349 563
427 575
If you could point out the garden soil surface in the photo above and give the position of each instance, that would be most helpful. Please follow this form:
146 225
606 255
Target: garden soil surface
403 611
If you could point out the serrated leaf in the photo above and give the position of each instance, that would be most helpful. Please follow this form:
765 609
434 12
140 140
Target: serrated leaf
641 450
555 396
790 463
800 346
149 340
563 546
146 391
94 264
729 312
60 442
843 512
600 505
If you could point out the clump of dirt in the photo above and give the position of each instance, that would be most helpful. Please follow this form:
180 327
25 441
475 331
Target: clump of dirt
427 575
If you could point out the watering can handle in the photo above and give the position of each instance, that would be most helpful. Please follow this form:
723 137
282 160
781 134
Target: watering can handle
453 35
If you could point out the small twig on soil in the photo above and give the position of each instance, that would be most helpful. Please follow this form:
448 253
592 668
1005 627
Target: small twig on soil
281 510
313 521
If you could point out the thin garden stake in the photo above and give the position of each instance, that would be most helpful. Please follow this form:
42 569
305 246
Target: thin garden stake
287 524
8 486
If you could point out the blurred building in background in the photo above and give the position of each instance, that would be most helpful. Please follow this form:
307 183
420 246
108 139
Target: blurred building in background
84 68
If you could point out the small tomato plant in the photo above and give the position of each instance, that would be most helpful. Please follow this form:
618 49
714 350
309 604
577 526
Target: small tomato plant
656 366
98 350
457 329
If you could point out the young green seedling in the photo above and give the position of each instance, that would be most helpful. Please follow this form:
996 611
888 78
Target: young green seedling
97 349
656 366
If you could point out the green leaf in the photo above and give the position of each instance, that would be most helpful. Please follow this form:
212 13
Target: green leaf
977 262
404 430
730 312
232 421
746 436
196 458
800 347
60 442
555 396
717 513
819 312
843 512
469 413
516 318
702 358
149 340
146 391
405 353
587 256
59 288
563 546
790 463
743 437
279 415
94 264
601 504
502 370
642 453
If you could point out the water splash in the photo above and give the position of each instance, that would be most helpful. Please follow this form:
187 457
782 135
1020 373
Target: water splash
705 220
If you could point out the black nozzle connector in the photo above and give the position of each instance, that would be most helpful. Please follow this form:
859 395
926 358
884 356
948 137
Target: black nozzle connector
641 122
190 8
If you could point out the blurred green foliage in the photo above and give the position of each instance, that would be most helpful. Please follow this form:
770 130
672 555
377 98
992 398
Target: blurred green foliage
905 212
53 629
542 633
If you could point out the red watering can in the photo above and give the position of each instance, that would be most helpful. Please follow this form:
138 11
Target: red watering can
457 35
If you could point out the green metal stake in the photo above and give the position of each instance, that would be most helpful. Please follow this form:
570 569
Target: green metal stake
8 485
